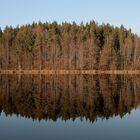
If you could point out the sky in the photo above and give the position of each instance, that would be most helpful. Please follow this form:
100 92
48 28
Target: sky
115 12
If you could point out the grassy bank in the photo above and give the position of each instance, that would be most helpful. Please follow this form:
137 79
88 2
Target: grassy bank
65 72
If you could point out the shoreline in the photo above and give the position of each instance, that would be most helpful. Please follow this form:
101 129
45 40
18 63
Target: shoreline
71 72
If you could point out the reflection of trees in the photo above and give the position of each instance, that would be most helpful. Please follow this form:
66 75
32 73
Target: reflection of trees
69 97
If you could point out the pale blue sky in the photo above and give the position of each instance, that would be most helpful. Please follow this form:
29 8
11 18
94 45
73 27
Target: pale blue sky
116 12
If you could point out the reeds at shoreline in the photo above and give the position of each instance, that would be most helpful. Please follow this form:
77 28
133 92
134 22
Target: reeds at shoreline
70 72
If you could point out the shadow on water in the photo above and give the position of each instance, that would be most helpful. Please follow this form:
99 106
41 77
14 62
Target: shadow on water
69 97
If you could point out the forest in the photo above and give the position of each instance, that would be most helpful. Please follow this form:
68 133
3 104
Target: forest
69 46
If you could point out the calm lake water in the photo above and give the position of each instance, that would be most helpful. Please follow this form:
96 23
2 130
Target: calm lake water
69 107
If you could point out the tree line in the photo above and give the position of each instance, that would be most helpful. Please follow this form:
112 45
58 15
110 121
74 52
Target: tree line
69 46
69 97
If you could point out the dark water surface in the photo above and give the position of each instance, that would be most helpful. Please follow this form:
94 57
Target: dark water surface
69 107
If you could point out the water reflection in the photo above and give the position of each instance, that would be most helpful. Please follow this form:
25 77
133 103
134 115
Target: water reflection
69 97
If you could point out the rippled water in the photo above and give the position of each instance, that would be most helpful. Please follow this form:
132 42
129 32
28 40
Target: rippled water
69 107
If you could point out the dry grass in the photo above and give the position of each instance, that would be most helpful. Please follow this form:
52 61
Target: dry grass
71 72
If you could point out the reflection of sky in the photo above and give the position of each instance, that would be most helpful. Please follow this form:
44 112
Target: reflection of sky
13 128
116 12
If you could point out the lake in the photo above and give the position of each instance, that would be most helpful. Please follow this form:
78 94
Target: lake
69 107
